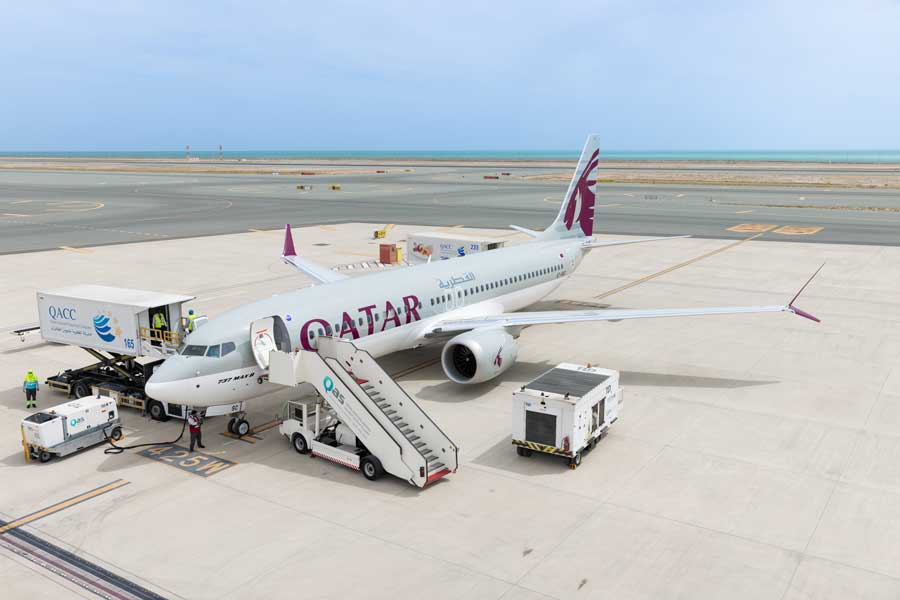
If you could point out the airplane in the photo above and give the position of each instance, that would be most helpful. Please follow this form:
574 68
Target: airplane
470 304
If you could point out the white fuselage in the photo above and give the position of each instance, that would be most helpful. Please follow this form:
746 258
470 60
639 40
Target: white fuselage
382 312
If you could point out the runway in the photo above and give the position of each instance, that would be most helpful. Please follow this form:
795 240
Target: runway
42 210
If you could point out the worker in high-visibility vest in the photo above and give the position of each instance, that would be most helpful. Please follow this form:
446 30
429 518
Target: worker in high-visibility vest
30 385
159 323
190 320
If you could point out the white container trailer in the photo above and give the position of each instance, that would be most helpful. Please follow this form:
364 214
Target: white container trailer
565 411
436 245
69 427
111 319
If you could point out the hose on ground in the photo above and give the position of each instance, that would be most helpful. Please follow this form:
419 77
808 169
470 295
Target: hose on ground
120 449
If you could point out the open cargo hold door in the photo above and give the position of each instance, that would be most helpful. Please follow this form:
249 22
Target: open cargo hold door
267 334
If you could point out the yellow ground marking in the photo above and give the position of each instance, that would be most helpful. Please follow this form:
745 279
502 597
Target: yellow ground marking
553 200
450 227
265 230
607 205
678 266
13 215
62 505
743 212
798 230
78 250
20 201
327 228
752 227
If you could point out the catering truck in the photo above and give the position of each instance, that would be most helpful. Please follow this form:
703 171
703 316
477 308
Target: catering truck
69 427
128 332
565 411
436 245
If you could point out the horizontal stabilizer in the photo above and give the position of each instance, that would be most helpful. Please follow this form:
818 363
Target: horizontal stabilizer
598 244
526 231
317 272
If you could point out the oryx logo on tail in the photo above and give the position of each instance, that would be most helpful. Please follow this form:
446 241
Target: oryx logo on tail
583 210
576 213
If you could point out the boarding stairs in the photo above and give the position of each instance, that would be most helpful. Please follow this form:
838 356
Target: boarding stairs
391 425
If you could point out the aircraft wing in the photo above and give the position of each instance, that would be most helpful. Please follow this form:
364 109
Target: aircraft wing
523 319
320 273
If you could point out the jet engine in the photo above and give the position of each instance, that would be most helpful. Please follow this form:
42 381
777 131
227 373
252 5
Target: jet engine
478 355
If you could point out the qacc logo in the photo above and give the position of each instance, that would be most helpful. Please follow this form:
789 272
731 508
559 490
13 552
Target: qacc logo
62 313
103 328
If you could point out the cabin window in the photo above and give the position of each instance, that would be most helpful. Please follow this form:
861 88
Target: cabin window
376 317
227 348
360 321
311 334
321 332
465 292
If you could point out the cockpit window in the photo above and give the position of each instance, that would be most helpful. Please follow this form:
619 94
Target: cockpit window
227 348
213 352
194 350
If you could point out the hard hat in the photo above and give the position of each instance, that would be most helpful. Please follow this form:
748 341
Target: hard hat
191 311
30 371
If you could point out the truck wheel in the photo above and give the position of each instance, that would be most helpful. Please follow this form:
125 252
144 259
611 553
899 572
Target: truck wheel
300 443
575 461
44 456
116 434
371 468
157 412
241 427
523 451
82 389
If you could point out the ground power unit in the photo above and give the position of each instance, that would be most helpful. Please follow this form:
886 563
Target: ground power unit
69 427
565 411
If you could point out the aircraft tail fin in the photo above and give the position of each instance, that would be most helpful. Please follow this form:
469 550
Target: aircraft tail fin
576 214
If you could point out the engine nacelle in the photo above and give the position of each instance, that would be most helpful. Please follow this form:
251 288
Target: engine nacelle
479 355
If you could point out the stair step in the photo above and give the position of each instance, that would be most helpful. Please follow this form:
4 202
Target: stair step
368 386
390 412
430 458
418 445
412 438
395 419
383 404
406 431
435 467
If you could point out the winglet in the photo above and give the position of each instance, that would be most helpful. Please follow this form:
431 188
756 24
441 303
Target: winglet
799 312
288 242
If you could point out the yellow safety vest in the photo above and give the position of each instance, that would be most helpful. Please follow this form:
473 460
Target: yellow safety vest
159 321
190 325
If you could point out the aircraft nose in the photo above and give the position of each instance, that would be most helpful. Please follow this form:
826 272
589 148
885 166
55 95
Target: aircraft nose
167 382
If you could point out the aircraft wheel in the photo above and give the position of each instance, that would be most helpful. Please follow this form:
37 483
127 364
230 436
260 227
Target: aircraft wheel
231 424
44 456
371 468
241 427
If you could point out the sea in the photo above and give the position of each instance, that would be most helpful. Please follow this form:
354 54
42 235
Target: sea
820 156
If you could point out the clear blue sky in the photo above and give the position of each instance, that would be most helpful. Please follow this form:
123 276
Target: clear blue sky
450 75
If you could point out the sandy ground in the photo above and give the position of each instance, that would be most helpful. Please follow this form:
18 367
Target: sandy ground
687 172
